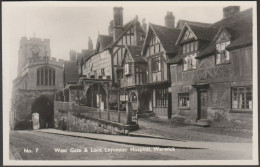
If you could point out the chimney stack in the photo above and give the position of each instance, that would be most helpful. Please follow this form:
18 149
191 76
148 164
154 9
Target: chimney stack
118 22
144 25
169 20
90 44
110 28
230 11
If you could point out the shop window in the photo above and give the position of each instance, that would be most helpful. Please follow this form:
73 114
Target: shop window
183 100
242 98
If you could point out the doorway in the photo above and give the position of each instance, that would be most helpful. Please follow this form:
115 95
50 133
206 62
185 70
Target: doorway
202 103
44 107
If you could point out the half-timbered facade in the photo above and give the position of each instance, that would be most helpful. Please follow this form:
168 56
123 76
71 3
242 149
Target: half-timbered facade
133 80
159 48
211 77
103 66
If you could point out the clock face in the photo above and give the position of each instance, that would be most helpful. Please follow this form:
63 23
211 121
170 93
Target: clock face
35 49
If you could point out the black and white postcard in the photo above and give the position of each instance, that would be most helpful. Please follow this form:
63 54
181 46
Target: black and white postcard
130 83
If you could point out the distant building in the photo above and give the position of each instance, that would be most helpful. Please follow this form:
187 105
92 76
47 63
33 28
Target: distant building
39 76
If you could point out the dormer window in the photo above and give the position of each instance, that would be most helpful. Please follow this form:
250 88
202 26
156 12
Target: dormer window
190 47
222 41
222 55
190 50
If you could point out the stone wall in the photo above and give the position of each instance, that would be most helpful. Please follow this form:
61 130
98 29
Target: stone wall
22 106
72 117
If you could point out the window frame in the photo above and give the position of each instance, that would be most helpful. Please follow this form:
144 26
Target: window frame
245 98
160 97
156 59
222 52
45 76
186 97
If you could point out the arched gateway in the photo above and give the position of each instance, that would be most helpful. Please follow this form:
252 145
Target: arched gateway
44 107
96 95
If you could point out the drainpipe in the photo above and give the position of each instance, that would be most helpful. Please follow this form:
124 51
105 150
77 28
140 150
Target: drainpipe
118 105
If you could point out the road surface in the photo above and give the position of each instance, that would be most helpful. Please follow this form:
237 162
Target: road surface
32 145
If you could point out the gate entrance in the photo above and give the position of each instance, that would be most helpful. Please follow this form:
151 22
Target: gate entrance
44 107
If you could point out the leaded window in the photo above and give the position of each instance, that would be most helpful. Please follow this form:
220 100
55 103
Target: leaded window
183 100
161 97
156 64
242 97
222 55
189 62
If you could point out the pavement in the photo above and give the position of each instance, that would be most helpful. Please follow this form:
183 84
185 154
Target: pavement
153 141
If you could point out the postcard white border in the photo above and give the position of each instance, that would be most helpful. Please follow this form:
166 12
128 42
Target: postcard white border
7 86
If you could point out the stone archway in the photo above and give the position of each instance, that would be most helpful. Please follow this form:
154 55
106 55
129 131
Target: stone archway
44 107
95 96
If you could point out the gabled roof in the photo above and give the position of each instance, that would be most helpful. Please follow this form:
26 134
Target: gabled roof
126 27
70 72
103 41
201 33
239 26
167 37
181 23
135 52
86 53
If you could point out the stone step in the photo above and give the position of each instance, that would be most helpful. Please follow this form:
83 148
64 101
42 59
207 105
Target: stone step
203 121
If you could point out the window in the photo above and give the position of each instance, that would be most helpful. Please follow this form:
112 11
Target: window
140 76
242 98
222 55
183 100
46 76
134 98
95 73
189 62
128 68
160 97
102 71
156 64
190 47
155 46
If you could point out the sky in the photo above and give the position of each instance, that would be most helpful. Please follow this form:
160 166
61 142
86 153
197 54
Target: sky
69 24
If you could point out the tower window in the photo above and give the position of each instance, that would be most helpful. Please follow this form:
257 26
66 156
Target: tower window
46 76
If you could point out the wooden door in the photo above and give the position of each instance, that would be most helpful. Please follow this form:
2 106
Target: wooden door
203 104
